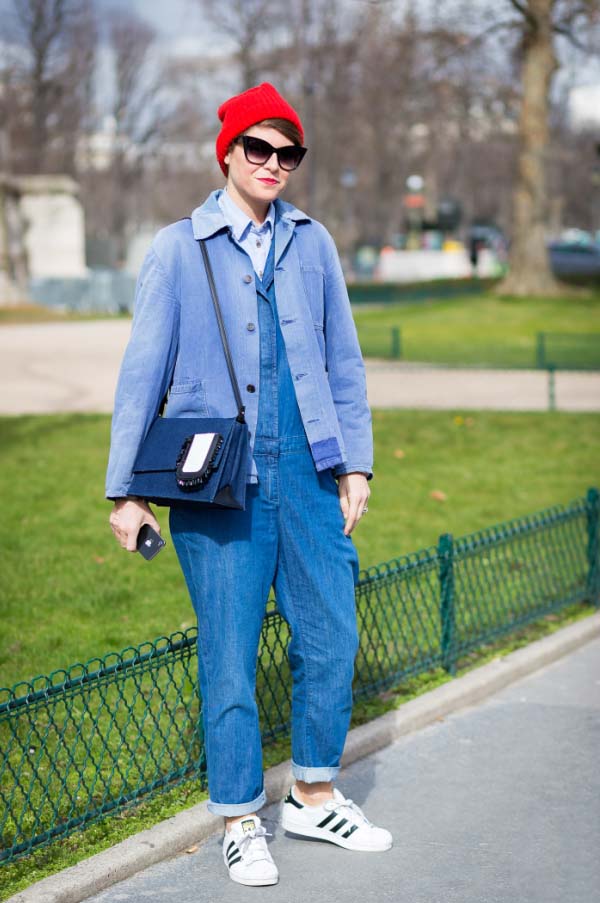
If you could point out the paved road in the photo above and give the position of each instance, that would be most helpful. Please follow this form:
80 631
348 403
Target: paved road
59 367
499 803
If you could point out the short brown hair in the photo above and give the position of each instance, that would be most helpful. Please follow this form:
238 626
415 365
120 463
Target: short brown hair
284 126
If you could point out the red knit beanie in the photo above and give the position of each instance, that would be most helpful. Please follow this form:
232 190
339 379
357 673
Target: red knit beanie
244 110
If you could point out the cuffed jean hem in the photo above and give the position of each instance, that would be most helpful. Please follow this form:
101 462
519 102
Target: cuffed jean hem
312 775
237 808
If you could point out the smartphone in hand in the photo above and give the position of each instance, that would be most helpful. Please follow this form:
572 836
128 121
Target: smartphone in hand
149 542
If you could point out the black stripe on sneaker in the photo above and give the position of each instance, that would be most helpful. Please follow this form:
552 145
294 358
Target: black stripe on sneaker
290 799
232 844
327 819
350 831
339 825
233 861
234 852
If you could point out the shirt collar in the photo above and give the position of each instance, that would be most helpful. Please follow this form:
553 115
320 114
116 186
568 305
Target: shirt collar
239 221
208 219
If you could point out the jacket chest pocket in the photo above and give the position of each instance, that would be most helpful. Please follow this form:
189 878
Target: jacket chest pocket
188 399
313 280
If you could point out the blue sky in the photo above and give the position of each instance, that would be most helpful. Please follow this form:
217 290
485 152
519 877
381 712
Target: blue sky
179 22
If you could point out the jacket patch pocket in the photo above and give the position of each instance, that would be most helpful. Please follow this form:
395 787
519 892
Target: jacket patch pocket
188 398
313 279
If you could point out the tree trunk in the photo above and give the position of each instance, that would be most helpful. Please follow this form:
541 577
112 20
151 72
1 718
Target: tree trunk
529 268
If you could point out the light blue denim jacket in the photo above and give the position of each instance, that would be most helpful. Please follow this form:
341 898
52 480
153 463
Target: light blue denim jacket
175 340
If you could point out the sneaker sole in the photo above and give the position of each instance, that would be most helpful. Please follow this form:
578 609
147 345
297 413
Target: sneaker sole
254 882
288 824
251 882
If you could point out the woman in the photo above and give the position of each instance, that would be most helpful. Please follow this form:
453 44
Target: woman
301 374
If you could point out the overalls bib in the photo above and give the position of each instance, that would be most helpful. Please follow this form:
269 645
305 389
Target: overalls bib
290 537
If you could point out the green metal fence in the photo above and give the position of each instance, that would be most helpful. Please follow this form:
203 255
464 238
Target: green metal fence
568 351
86 741
544 350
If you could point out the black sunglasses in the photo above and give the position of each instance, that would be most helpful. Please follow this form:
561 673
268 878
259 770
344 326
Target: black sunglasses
258 152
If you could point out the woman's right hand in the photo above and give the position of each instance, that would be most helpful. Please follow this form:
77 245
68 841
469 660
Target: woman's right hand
127 518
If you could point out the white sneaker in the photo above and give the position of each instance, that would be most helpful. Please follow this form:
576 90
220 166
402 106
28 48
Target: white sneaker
338 820
246 854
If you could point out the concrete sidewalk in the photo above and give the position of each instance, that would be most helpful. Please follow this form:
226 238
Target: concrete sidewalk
62 367
499 803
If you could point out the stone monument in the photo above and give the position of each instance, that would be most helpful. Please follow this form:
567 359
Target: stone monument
42 233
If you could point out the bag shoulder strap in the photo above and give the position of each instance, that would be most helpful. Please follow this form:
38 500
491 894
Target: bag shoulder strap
213 291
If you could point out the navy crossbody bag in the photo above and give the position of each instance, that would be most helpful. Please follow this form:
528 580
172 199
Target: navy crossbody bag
189 461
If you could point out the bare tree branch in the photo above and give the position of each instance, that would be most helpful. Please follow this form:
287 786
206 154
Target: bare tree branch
58 41
471 42
250 24
567 32
525 12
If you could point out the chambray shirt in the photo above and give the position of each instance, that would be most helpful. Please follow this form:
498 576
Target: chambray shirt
254 239
175 340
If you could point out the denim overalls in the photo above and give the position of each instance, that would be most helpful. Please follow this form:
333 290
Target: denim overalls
290 537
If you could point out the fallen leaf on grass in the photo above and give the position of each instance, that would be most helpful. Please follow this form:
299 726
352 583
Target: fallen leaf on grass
516 565
438 495
399 453
98 559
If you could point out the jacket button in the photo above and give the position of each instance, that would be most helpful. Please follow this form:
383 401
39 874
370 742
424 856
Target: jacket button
251 388
250 327
247 278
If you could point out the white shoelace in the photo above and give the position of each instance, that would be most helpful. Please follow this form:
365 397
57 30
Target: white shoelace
332 805
250 851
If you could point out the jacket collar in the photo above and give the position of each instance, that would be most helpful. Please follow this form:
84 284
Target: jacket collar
208 219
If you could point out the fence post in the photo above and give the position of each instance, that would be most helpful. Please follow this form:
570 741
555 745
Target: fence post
551 388
541 350
447 615
593 521
396 344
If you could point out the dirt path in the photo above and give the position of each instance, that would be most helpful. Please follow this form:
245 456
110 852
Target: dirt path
62 367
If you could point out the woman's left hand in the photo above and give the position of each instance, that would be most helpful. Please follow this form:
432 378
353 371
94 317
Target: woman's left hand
354 493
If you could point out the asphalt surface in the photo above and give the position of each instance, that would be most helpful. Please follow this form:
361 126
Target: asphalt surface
63 367
499 803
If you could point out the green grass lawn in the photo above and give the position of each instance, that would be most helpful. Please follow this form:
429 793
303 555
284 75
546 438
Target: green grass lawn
483 329
70 593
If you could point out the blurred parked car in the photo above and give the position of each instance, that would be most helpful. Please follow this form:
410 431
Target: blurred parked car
574 258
